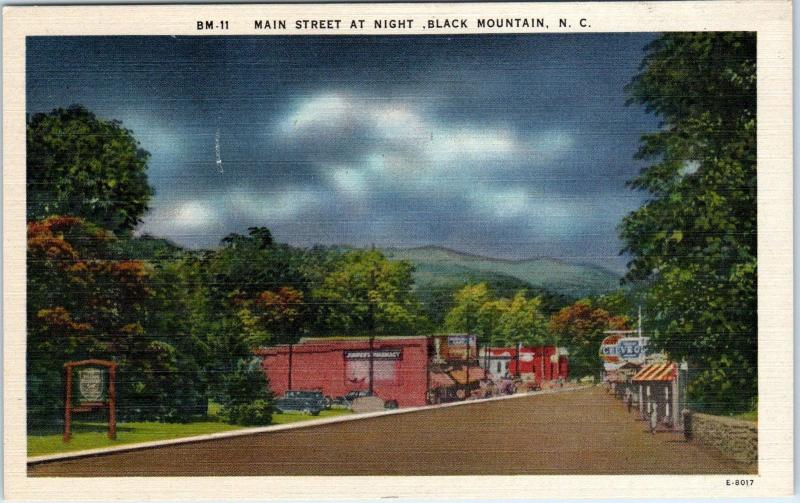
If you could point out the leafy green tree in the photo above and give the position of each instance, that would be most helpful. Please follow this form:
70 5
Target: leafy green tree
489 322
178 315
693 242
497 321
80 165
256 290
522 322
464 316
248 400
365 293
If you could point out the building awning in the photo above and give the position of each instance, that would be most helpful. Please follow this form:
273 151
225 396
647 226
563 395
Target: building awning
441 380
475 374
656 372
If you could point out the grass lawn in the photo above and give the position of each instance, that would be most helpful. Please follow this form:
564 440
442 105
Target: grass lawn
93 435
747 416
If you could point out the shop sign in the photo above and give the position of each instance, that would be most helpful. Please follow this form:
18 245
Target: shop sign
608 349
618 349
378 354
459 340
632 348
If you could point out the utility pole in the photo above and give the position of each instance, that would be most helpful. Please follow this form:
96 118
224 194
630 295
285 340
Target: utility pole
371 318
291 346
469 346
640 320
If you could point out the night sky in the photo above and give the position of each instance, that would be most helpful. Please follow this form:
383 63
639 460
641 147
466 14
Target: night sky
505 146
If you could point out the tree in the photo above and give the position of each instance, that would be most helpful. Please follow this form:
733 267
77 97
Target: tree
83 166
580 327
178 315
83 304
272 317
366 293
693 242
489 322
522 322
464 316
248 400
497 321
257 291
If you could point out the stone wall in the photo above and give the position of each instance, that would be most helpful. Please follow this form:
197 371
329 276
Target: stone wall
736 439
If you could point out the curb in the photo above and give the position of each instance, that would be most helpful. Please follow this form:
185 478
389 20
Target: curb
66 456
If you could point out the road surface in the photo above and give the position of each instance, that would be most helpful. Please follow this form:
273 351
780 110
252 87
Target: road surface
576 432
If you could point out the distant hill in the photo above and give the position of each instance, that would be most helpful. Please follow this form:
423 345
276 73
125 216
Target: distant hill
442 266
150 248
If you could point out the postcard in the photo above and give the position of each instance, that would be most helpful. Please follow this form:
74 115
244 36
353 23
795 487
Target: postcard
417 251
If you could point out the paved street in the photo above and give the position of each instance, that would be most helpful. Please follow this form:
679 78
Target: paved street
580 432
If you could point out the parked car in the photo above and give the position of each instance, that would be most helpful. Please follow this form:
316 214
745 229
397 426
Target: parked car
346 402
307 402
339 402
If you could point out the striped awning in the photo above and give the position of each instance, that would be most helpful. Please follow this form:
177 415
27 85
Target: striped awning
656 372
441 380
475 374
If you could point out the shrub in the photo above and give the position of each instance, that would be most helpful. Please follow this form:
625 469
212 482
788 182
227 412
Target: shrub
257 412
247 399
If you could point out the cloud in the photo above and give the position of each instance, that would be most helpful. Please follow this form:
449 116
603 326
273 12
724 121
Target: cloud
194 214
391 149
182 219
269 207
349 181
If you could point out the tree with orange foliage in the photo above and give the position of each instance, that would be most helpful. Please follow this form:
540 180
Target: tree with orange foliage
580 327
81 304
272 317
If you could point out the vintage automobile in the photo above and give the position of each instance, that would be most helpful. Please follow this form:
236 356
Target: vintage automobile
307 402
345 402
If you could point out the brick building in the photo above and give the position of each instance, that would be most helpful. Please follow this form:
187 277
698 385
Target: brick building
541 363
338 366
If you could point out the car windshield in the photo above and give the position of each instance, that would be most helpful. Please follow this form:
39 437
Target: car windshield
303 394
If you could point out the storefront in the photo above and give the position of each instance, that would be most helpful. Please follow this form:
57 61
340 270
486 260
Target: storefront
443 388
656 390
542 363
395 367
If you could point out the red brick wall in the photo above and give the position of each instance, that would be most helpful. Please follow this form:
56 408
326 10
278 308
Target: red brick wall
322 366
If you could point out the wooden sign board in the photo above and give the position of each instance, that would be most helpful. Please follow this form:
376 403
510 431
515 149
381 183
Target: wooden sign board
95 390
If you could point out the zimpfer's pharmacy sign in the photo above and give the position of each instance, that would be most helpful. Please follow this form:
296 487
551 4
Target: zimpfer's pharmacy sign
378 354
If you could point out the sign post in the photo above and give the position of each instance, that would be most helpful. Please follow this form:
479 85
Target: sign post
93 392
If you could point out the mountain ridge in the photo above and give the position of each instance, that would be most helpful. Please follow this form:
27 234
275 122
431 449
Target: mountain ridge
475 256
436 265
